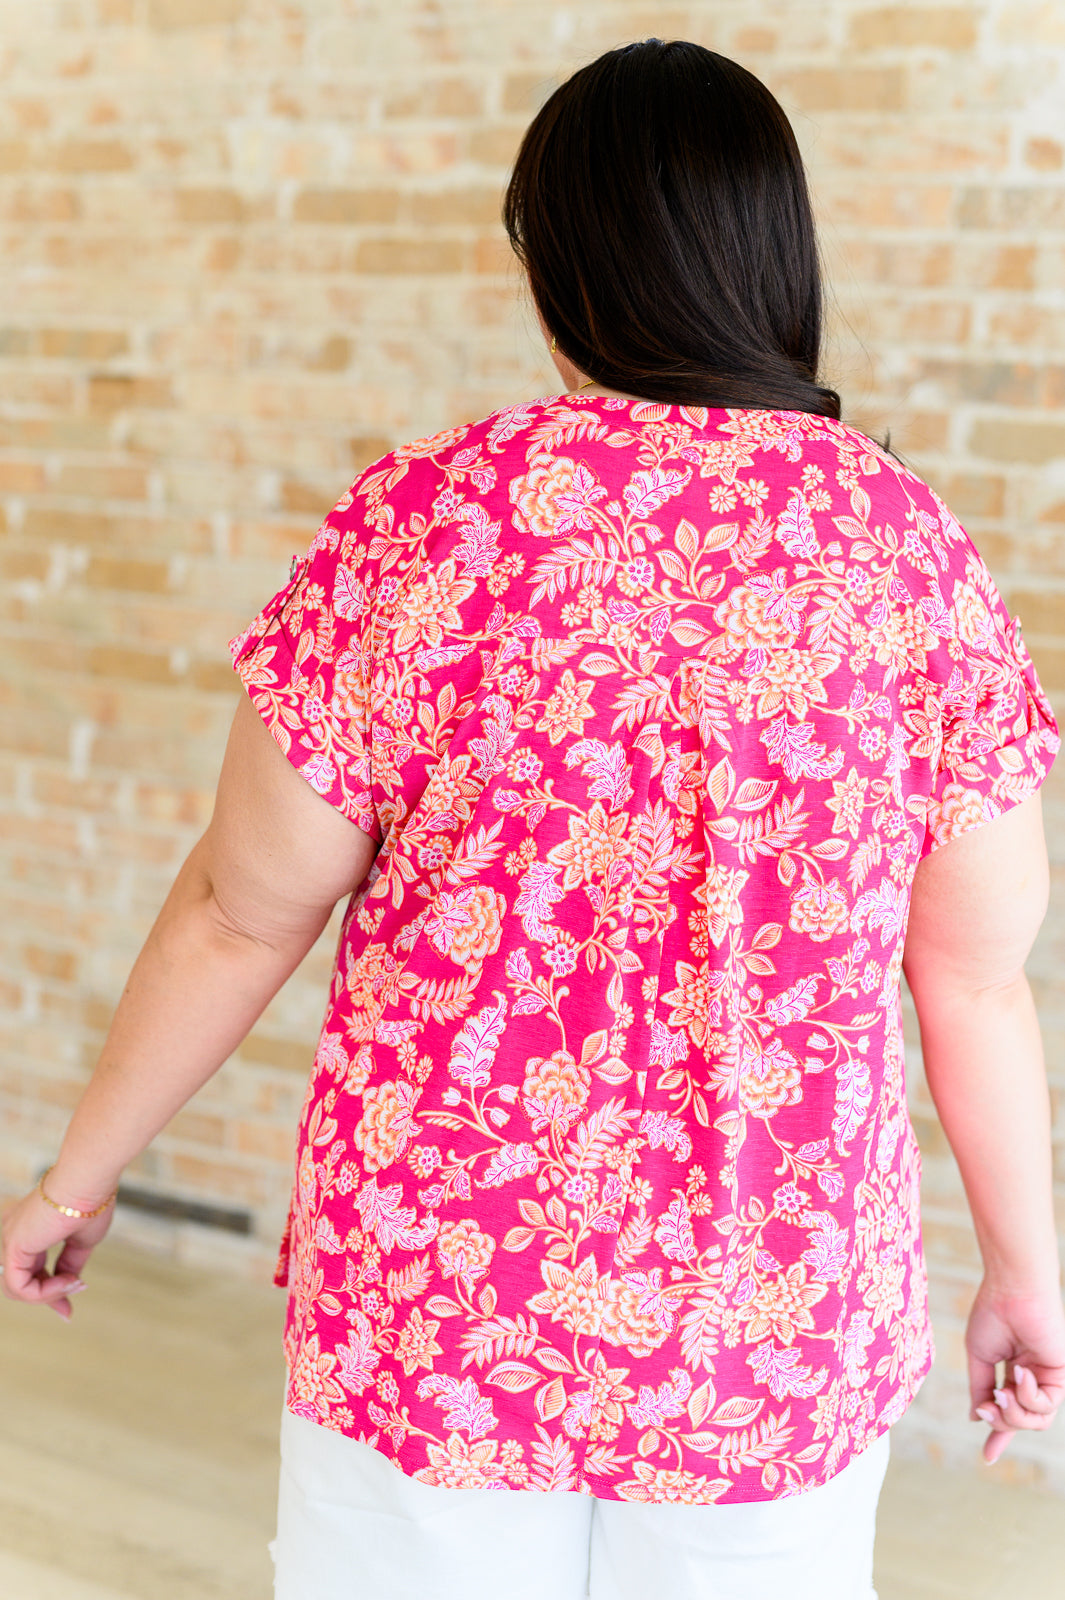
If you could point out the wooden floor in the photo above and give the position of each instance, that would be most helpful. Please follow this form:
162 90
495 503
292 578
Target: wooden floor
138 1458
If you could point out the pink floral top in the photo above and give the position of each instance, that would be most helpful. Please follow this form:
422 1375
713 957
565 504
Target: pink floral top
605 1176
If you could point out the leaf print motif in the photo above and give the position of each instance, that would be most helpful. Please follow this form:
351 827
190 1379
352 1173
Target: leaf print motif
853 1095
509 1162
538 892
647 492
674 1232
576 1058
793 747
607 768
780 1369
795 528
476 1044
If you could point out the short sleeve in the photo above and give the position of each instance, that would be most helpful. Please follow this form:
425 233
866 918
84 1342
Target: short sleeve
999 732
305 666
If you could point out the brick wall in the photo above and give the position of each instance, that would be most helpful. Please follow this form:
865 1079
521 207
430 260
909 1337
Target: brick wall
250 244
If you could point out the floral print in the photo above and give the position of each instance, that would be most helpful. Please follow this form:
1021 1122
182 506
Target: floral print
605 1180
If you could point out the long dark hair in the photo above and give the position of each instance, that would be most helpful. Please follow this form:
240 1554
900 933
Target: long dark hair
660 208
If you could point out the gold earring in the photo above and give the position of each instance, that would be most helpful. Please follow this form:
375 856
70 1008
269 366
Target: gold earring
554 344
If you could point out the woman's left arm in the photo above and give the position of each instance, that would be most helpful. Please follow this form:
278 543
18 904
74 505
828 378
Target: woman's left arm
249 902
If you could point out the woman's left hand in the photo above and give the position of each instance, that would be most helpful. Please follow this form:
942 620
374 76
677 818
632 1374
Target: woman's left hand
30 1229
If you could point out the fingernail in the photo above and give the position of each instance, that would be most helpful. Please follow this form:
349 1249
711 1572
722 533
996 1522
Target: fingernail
76 1288
1020 1373
986 1414
1001 1397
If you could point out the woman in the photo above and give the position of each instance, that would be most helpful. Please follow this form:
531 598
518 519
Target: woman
641 723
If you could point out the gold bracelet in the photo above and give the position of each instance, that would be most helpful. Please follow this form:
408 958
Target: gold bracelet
71 1211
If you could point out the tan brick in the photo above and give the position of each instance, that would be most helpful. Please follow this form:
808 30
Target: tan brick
117 661
119 392
914 27
1008 440
19 564
292 1055
14 155
15 341
59 965
265 1139
1006 383
103 482
1049 659
349 206
171 14
93 155
332 355
1042 610
21 477
117 572
843 88
196 1127
365 450
443 97
411 255
974 494
1014 268
526 91
1045 155
209 205
82 344
755 41
297 496
495 145
214 677
452 207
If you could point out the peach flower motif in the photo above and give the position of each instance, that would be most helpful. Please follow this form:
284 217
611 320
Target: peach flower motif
555 496
306 1178
903 641
596 844
720 893
387 1125
975 626
743 617
671 1486
450 792
793 679
573 1296
432 444
556 1089
567 709
351 695
311 1381
416 1344
464 1251
467 925
463 1466
636 1319
694 1000
782 1308
957 810
432 605
769 1079
819 910
848 803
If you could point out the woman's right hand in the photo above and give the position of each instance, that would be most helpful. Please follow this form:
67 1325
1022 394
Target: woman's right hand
31 1228
1026 1330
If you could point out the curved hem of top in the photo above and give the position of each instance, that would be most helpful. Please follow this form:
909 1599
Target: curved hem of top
584 1480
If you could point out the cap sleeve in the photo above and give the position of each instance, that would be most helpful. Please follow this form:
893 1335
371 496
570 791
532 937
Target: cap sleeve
305 666
999 732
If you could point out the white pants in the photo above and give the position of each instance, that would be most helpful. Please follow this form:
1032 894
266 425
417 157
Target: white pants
351 1526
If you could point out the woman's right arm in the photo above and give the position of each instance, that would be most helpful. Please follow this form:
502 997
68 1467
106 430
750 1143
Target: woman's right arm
251 899
977 905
